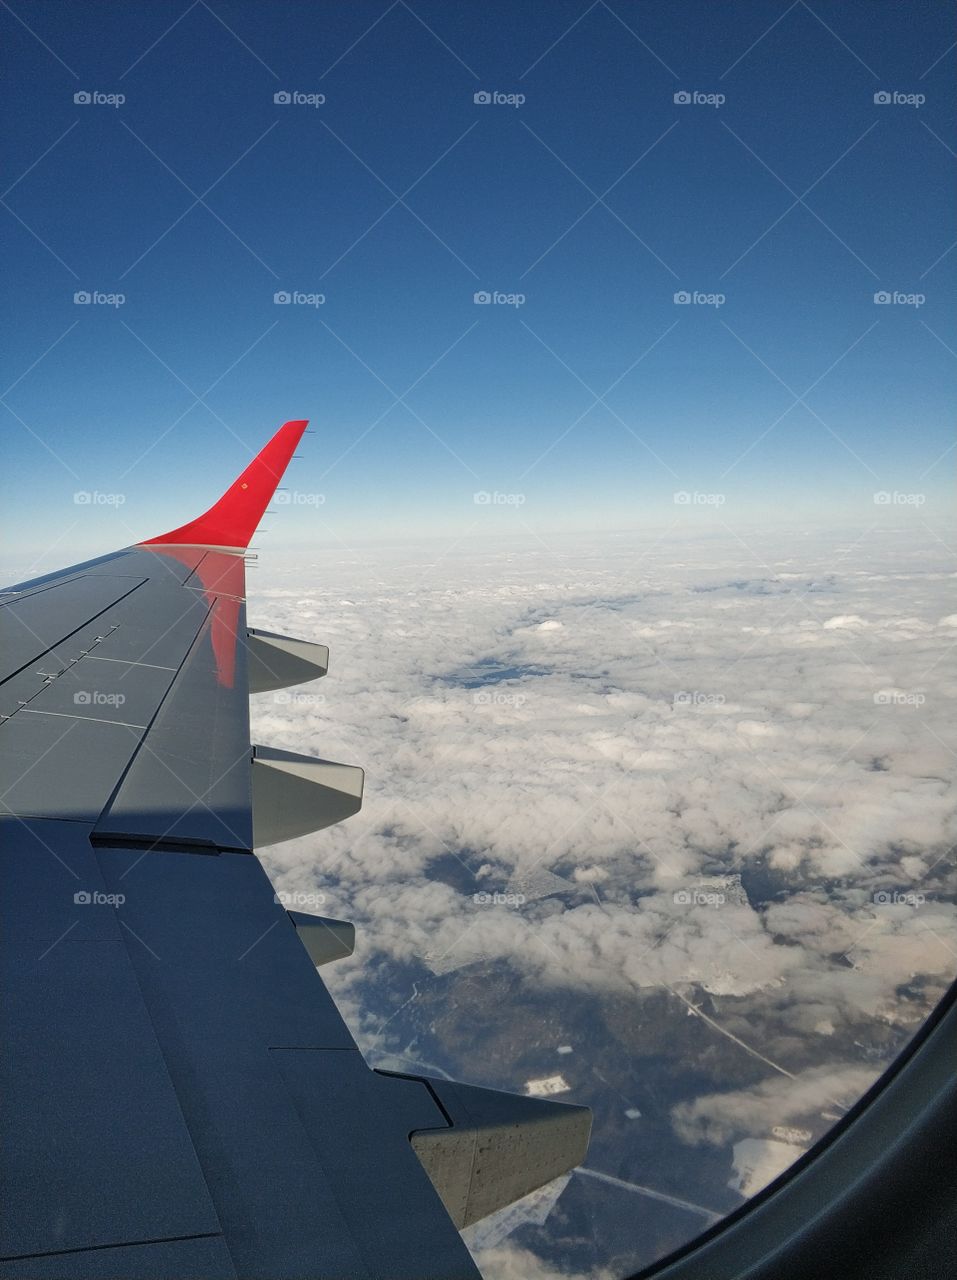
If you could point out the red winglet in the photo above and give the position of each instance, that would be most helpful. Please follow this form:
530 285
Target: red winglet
234 518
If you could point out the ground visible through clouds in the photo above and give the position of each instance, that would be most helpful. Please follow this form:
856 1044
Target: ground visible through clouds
670 820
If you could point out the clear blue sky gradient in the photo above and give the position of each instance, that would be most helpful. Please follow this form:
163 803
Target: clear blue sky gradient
598 198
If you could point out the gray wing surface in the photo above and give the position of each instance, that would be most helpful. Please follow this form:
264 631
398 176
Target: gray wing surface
179 1095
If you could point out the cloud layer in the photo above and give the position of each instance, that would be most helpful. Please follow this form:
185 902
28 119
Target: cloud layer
701 770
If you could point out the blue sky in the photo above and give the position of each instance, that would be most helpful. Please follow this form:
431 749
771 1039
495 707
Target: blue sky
597 199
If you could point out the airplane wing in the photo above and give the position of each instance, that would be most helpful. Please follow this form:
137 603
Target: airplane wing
179 1095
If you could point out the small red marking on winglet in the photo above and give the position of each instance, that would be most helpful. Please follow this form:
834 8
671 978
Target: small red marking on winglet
234 518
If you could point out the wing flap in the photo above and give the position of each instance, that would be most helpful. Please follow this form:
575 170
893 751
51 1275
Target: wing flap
34 623
190 779
82 1075
84 757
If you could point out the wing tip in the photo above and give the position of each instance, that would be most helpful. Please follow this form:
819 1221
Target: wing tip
232 521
